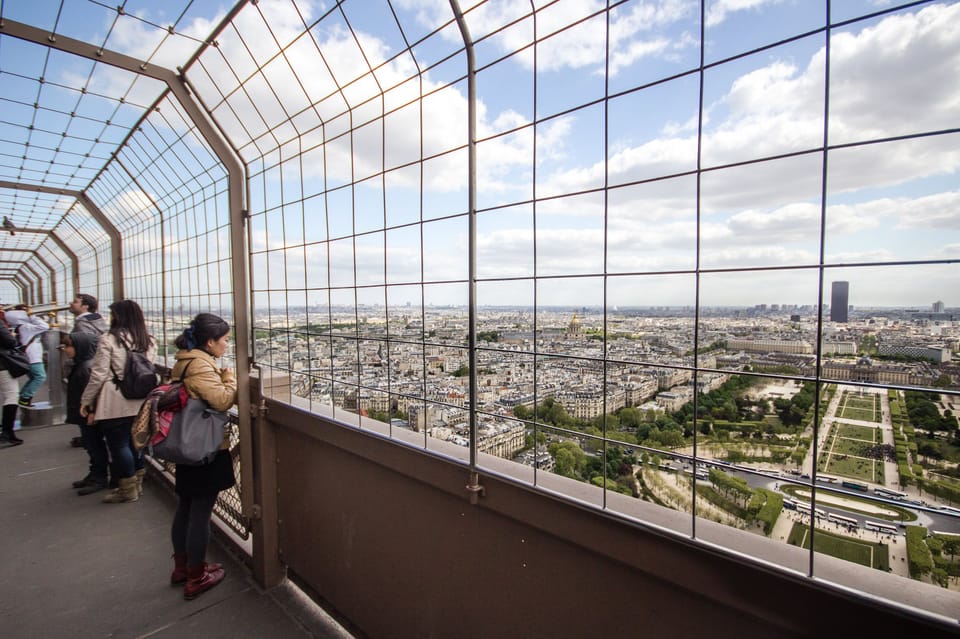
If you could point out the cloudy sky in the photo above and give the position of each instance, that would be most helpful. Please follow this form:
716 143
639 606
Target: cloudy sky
589 147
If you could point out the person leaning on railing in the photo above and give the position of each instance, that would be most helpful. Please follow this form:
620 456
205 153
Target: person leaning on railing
29 329
201 344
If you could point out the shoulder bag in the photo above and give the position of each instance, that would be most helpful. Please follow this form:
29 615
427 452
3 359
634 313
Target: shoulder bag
196 433
15 361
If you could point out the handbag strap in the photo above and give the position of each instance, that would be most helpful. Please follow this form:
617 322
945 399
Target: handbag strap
183 373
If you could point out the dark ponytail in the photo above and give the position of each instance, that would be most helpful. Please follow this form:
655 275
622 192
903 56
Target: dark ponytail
203 327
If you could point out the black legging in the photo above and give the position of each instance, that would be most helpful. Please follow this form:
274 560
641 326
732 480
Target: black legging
191 527
9 418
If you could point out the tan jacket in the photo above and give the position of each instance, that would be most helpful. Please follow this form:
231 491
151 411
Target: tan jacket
205 380
101 393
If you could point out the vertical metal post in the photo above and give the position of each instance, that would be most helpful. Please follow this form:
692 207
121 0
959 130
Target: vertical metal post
74 262
473 486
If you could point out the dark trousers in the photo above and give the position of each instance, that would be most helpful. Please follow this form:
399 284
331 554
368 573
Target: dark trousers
191 527
96 450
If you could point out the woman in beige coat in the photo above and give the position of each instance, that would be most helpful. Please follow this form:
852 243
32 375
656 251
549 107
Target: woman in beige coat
201 345
106 408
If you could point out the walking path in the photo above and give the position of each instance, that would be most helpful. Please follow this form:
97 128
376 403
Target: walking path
75 567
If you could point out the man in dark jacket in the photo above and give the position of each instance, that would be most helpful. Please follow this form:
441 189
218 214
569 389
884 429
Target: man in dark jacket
81 347
86 318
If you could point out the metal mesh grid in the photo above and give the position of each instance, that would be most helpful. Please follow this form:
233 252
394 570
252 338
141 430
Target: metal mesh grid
84 235
166 194
650 195
651 187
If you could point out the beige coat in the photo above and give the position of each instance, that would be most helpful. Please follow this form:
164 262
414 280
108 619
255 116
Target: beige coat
101 393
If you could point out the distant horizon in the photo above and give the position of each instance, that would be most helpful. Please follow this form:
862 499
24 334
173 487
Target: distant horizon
594 308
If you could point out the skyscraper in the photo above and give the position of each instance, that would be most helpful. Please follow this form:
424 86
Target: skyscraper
839 295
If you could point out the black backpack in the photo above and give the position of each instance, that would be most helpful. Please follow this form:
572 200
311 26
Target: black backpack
139 376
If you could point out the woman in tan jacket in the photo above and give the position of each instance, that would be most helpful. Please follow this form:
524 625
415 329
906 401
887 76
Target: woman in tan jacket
201 344
105 407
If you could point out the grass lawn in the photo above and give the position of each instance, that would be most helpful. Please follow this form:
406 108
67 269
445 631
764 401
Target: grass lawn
853 431
862 408
854 467
853 447
849 548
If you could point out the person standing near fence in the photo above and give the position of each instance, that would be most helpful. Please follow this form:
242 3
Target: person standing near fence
9 390
201 344
102 402
88 321
80 348
29 329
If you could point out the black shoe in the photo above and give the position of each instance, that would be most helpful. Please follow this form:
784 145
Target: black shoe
77 442
25 402
86 481
94 486
9 439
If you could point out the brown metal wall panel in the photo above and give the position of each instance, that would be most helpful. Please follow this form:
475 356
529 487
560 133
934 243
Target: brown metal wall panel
387 536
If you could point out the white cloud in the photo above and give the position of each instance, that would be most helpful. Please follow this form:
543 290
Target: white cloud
635 31
720 9
778 107
882 74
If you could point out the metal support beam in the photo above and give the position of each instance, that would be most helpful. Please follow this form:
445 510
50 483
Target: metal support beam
116 243
39 283
74 262
53 275
20 285
26 288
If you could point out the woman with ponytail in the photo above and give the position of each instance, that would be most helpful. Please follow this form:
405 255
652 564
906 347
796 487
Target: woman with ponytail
201 344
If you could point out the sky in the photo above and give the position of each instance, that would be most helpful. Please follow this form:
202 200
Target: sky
596 167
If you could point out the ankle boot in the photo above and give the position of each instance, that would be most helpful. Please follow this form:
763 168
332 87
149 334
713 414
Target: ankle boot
86 481
179 575
201 578
125 492
140 475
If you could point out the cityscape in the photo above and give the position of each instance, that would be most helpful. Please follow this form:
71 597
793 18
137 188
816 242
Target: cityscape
607 398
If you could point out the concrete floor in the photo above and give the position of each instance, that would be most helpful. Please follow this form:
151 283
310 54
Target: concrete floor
72 566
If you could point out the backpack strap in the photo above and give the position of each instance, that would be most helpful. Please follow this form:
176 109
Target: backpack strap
126 347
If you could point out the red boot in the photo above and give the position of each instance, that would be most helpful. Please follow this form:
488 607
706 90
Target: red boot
201 578
179 575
